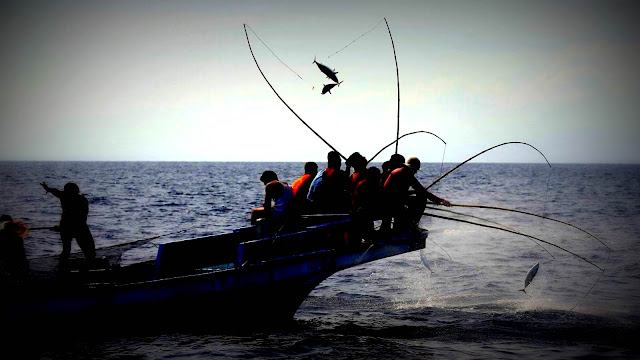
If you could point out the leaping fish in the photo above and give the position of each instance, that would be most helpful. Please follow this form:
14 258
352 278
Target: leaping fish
327 88
331 74
423 257
530 275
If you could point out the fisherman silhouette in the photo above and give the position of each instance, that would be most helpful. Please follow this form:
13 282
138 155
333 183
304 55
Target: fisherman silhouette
301 186
278 203
328 189
405 209
73 222
13 261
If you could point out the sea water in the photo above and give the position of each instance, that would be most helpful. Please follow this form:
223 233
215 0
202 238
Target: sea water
467 306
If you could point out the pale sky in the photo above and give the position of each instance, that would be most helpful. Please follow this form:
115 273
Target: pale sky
175 81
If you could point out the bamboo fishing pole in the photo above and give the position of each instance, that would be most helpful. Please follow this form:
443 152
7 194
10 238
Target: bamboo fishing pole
398 139
516 233
281 99
482 152
468 215
397 80
486 220
531 214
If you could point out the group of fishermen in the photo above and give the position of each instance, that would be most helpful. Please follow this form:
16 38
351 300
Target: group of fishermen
366 193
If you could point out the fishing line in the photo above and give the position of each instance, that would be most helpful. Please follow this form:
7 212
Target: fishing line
442 162
274 54
281 99
594 284
358 38
441 248
482 152
514 232
407 134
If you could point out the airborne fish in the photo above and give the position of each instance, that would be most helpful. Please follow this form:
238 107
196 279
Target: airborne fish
327 88
530 275
331 74
423 257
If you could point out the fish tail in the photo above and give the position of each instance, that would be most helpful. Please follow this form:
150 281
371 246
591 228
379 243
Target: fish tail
340 82
522 291
314 59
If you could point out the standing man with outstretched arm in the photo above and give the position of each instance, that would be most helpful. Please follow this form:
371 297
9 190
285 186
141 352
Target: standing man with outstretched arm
73 222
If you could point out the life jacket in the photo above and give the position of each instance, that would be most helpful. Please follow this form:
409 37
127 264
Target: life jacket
300 184
397 184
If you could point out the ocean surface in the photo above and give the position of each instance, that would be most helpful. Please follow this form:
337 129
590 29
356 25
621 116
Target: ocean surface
458 298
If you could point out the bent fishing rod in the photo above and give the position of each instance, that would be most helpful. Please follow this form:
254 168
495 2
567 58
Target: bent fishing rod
531 214
516 233
398 139
281 99
398 82
480 153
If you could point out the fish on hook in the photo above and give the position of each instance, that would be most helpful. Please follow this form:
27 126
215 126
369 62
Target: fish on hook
327 88
530 275
423 257
331 74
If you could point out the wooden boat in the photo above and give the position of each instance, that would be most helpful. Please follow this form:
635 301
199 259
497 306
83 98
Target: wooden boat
241 274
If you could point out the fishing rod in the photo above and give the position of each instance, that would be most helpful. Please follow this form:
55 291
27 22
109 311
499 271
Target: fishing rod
398 139
281 99
514 232
52 228
398 81
468 215
489 221
531 214
482 152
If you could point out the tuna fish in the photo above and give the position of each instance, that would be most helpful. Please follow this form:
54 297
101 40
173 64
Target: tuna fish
530 275
327 88
423 257
331 74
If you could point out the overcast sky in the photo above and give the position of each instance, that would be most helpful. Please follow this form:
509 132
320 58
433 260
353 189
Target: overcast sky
175 81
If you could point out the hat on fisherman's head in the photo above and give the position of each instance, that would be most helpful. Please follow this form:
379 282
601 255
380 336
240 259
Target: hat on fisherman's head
413 163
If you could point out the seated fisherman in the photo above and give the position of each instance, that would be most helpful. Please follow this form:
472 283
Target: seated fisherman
396 161
359 164
366 203
406 209
278 202
13 260
328 189
301 186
